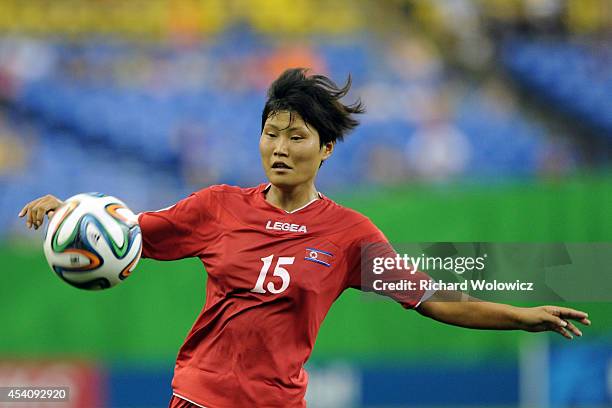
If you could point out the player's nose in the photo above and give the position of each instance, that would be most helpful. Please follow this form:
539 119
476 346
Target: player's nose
281 147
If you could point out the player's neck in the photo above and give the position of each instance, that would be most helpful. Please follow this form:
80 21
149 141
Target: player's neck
290 199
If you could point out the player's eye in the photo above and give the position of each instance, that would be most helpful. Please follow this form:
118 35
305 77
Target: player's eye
270 135
296 137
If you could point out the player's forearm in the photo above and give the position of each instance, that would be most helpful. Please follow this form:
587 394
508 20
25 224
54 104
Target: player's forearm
465 311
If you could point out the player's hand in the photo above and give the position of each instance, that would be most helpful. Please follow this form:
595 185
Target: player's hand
553 318
35 211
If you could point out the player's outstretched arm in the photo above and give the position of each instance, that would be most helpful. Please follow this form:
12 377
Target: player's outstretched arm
462 310
35 210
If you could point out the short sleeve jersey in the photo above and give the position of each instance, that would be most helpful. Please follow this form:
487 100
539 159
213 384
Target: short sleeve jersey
272 277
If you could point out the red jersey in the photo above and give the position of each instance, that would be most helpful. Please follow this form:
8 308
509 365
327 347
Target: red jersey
272 277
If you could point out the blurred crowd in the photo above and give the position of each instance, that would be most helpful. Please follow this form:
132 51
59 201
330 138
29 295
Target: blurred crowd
151 100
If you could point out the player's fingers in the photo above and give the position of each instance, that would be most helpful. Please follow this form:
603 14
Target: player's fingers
555 321
563 332
29 218
23 211
573 329
40 216
27 212
568 313
50 213
580 316
37 215
29 206
32 212
25 208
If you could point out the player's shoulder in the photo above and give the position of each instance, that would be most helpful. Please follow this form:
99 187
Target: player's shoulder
224 195
348 220
226 189
347 214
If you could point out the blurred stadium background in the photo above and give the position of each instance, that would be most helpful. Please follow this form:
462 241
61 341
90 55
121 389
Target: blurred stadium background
488 120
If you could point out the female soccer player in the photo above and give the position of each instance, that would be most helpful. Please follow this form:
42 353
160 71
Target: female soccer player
279 254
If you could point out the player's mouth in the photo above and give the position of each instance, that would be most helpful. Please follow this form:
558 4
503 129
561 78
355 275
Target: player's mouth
280 166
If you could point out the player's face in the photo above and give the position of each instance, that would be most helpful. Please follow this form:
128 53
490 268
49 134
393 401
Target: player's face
290 150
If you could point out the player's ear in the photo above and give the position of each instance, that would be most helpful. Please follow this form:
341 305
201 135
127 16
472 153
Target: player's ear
326 150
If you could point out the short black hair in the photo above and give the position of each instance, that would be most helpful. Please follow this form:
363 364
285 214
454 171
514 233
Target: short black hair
316 98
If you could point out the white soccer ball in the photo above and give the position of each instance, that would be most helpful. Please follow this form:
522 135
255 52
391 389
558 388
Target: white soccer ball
93 241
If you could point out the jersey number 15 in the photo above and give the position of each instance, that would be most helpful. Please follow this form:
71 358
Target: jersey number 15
278 271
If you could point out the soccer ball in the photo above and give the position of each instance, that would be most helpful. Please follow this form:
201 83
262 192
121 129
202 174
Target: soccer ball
93 241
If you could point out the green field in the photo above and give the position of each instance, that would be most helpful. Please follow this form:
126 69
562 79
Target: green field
148 316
